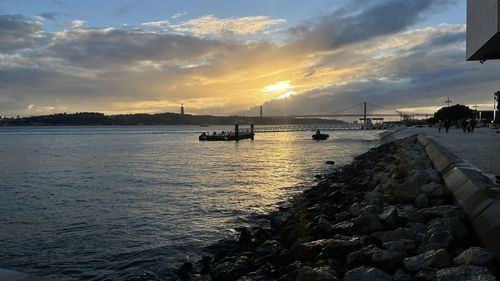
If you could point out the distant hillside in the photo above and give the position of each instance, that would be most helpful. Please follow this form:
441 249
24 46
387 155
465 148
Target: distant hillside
95 118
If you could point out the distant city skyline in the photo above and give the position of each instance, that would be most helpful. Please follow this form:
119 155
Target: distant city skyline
224 57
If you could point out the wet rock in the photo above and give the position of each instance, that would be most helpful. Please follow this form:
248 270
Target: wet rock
401 275
426 274
389 216
232 268
403 245
330 162
345 228
368 224
371 210
443 211
355 209
337 197
342 216
324 223
205 264
394 235
455 226
475 256
374 198
436 240
223 248
363 256
387 260
422 201
268 249
339 248
309 250
184 272
324 273
367 274
434 258
465 273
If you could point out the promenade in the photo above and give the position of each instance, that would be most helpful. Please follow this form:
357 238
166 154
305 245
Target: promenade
481 149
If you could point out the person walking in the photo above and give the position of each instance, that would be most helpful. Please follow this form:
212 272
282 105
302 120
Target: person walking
447 125
464 125
473 125
440 125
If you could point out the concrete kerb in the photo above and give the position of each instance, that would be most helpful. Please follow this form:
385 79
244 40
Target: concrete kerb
474 192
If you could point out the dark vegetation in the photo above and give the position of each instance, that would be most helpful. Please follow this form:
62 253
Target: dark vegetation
95 118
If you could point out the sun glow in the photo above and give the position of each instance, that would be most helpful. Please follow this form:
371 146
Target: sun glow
286 95
280 86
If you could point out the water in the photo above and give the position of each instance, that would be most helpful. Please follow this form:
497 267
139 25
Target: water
89 203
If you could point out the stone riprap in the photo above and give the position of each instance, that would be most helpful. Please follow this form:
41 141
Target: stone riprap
385 216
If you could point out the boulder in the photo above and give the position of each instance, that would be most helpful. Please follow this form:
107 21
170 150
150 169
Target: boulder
268 249
339 248
395 235
426 274
184 272
421 201
363 256
387 260
367 274
443 211
324 223
374 198
367 224
389 216
355 209
475 256
455 226
465 273
232 268
403 245
436 240
434 258
308 251
323 273
371 210
345 228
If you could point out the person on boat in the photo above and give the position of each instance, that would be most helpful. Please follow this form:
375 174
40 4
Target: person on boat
318 132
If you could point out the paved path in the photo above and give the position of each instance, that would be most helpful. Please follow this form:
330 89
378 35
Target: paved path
482 149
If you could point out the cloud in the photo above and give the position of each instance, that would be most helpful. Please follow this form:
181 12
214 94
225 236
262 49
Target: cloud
178 15
157 24
48 16
343 26
210 24
17 32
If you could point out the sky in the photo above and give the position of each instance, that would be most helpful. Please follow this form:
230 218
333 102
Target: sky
224 57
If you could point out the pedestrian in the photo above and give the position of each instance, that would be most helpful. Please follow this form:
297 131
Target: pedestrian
464 125
447 125
440 125
473 125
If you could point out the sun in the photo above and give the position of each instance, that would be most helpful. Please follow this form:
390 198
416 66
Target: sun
279 87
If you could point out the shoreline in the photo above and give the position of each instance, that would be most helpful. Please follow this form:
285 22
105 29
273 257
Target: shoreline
385 216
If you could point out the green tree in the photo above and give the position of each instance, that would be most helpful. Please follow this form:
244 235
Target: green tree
455 112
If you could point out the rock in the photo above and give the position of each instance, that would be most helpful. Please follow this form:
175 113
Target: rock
371 210
205 264
422 201
401 275
406 211
426 274
429 188
324 224
475 256
465 273
363 256
389 216
434 258
184 272
395 235
330 162
374 198
339 248
403 245
223 248
268 249
232 268
342 216
455 226
436 240
443 211
355 209
387 260
308 251
345 228
367 274
337 197
367 224
245 237
323 273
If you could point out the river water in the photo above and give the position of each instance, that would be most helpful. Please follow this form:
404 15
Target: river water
90 203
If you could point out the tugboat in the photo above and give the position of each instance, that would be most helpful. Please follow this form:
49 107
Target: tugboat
320 136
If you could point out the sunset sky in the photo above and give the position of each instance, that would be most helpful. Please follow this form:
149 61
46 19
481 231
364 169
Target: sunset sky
223 57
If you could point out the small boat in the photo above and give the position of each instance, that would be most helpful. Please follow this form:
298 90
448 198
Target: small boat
320 136
204 125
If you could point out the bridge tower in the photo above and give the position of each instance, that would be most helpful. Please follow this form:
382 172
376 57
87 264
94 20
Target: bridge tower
261 113
364 115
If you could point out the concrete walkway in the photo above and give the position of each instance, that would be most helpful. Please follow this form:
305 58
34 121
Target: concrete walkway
481 149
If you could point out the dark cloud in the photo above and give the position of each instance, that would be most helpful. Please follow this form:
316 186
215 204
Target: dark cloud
343 26
49 16
17 32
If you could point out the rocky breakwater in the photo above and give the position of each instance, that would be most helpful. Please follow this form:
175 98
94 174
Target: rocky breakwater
386 216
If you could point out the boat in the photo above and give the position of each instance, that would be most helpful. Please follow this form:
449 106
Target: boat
320 136
204 125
